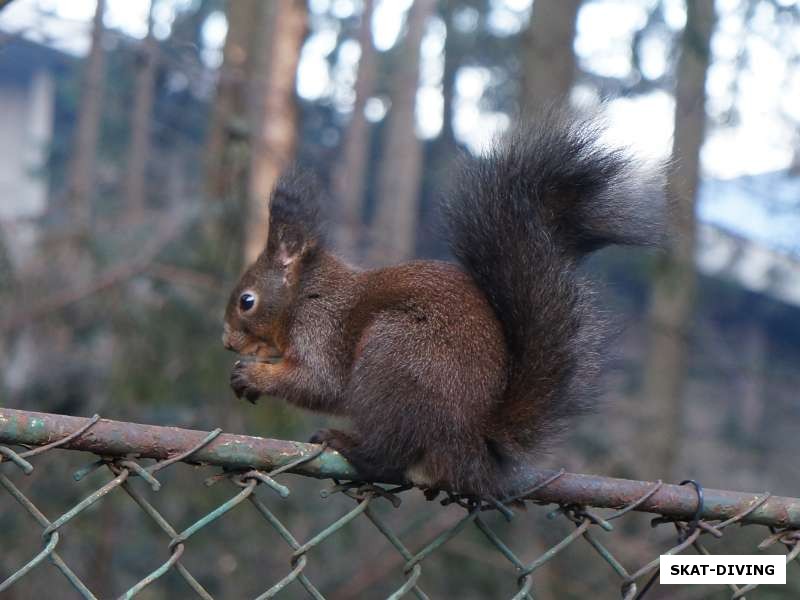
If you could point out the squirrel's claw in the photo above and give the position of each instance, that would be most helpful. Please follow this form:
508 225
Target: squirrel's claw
336 440
321 436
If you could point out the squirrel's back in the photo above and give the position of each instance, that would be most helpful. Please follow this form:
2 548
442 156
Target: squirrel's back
519 220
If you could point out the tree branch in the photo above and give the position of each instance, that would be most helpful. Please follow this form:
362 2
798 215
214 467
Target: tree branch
111 277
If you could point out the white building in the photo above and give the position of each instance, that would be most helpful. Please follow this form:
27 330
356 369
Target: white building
27 101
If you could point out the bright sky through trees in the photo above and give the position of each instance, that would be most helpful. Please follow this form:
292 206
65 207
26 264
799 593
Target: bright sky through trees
762 140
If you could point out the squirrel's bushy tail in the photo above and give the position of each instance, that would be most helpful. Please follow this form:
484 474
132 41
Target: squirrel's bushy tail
519 220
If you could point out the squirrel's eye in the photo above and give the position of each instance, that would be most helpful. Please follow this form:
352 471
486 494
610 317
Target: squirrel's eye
247 301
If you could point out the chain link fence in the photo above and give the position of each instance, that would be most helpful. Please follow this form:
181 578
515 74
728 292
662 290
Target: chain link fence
255 465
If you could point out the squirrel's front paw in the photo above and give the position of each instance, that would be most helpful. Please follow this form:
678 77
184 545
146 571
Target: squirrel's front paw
242 381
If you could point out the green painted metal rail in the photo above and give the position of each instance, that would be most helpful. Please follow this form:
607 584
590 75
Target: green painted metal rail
253 462
116 438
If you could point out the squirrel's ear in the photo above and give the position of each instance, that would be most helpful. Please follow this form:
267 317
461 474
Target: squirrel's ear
290 247
294 219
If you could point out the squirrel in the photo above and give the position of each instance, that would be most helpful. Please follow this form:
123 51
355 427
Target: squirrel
453 375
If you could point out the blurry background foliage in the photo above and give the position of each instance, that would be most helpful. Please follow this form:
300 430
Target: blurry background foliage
140 141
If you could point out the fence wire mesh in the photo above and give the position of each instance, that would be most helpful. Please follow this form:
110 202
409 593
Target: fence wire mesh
255 465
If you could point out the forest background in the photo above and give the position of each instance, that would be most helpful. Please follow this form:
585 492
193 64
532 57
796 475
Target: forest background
140 141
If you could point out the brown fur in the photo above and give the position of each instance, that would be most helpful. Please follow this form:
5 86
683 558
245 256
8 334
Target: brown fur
407 349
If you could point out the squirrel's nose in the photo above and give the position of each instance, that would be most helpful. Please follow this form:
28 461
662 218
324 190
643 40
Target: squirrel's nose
226 338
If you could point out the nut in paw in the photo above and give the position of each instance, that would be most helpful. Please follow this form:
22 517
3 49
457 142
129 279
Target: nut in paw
241 382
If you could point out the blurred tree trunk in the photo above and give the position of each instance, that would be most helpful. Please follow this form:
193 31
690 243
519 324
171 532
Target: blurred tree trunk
81 176
548 70
275 138
399 180
456 46
452 61
349 177
7 270
443 152
672 292
136 171
226 148
794 167
753 380
8 286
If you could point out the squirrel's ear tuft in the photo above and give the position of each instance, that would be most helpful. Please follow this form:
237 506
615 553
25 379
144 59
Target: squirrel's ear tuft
294 218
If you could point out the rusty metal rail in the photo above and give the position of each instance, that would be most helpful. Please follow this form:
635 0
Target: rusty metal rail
252 461
116 438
